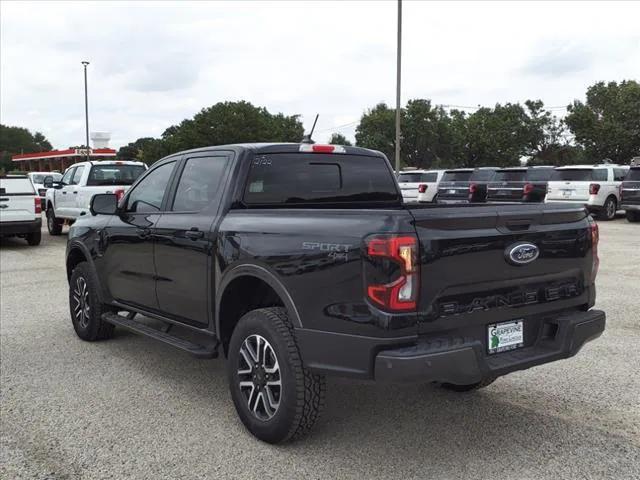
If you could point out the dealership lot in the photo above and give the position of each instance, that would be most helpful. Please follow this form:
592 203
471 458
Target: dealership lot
133 408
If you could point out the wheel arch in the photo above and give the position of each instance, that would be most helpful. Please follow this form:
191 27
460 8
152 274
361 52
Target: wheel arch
266 291
76 254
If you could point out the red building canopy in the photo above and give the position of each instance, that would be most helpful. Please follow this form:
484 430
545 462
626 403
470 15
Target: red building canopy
59 159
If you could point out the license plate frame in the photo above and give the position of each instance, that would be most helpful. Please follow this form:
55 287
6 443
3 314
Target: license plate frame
505 336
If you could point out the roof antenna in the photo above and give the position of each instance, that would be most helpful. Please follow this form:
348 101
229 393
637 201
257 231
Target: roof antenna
307 138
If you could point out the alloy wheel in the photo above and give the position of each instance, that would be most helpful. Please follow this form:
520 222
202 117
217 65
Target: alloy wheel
259 377
81 308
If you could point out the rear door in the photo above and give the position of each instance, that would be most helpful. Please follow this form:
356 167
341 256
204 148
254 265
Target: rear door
572 184
186 237
16 199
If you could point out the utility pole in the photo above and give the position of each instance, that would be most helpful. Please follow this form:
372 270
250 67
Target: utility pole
86 108
398 62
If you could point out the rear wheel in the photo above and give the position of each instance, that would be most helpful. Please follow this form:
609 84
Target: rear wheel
34 238
54 225
276 397
609 209
633 216
85 306
470 387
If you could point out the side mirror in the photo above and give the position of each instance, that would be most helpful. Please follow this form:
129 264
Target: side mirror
48 181
104 204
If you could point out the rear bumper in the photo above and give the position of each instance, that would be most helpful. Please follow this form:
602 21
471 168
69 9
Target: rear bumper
19 228
628 207
444 358
467 362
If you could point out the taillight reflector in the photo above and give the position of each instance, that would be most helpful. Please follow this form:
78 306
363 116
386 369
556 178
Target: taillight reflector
594 188
119 193
38 205
422 188
595 240
528 188
473 188
401 294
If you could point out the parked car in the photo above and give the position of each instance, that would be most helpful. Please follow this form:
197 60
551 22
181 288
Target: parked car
630 194
70 197
419 185
465 185
519 184
595 186
20 209
37 178
298 261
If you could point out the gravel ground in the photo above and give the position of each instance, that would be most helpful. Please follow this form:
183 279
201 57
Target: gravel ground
133 408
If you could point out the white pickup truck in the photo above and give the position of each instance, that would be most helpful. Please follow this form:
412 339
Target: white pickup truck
70 198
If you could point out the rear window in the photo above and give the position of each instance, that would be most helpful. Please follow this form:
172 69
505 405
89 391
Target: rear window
16 186
483 175
457 176
298 178
539 174
114 174
417 177
510 176
580 174
633 174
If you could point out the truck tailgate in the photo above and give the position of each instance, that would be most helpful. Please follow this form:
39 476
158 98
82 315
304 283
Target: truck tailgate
469 279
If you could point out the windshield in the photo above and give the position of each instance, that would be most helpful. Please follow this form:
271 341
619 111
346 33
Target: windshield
417 177
114 174
633 174
510 176
580 174
39 177
460 176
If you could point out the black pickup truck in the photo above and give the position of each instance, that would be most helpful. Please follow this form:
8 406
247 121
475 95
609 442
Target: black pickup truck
298 261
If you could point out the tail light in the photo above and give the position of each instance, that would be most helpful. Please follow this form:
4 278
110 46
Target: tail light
38 205
422 188
315 148
595 239
119 193
594 188
398 255
528 188
473 188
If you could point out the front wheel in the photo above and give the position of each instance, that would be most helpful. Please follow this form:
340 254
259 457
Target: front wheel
609 209
85 306
276 396
470 387
54 225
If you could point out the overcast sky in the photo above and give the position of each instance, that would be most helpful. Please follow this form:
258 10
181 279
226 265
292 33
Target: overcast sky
154 64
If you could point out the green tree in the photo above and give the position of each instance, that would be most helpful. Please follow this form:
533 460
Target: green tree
136 150
15 140
607 125
339 139
376 130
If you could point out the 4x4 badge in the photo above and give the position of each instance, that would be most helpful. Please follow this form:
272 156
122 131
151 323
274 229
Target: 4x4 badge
521 253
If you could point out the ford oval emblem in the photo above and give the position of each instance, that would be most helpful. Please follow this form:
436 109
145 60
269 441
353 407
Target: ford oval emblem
521 253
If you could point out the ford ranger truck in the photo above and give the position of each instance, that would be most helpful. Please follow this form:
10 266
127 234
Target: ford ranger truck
68 198
299 261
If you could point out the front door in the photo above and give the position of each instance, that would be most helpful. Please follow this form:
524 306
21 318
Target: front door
186 238
129 239
62 197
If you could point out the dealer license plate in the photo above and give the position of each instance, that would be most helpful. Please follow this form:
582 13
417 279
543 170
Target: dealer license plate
505 336
452 192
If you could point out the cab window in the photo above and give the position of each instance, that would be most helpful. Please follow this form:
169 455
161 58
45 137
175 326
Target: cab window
68 175
75 180
199 183
147 195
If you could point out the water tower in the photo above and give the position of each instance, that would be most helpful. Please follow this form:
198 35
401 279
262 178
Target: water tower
100 139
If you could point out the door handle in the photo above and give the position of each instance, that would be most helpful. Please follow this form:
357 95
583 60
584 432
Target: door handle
194 233
75 193
143 233
64 193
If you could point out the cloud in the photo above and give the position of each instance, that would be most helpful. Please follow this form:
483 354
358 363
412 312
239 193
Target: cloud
560 59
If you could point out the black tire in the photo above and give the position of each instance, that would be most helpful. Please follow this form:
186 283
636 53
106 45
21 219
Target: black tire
609 209
85 306
300 395
54 225
633 216
468 388
34 238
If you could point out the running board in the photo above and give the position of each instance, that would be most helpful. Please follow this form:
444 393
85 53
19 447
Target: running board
199 351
